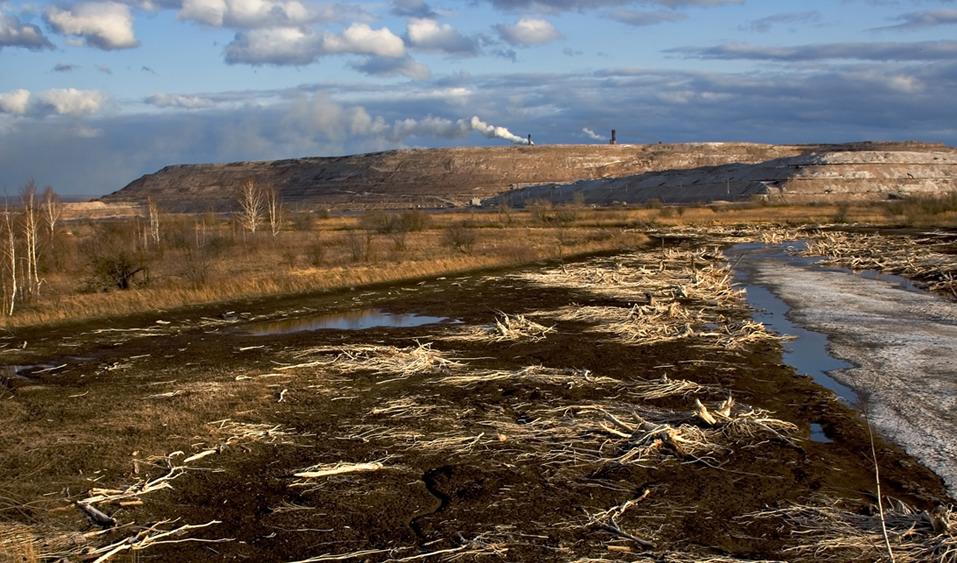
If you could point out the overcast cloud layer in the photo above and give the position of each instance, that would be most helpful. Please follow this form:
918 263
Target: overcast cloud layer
96 93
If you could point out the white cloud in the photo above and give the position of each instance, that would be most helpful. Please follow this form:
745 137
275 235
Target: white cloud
70 101
361 39
246 13
104 25
15 102
386 66
430 35
14 33
592 135
528 31
300 46
275 46
65 101
178 101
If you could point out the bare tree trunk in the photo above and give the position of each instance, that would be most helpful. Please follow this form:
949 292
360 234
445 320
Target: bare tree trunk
251 206
274 209
153 210
31 232
10 253
52 209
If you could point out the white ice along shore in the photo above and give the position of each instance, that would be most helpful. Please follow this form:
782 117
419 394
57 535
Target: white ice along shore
904 344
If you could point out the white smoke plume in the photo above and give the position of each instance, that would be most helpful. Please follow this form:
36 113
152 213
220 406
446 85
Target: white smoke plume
493 132
592 135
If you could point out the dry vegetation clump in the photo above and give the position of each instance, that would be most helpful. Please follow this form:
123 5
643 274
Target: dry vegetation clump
634 434
480 546
569 378
843 532
233 433
687 296
929 260
324 470
402 362
636 527
653 324
506 329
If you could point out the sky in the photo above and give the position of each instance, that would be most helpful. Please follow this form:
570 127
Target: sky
95 93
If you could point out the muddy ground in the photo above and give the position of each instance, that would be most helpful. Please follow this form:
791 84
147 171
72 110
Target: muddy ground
504 468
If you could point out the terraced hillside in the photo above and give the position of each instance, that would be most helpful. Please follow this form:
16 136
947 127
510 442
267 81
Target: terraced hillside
832 175
435 178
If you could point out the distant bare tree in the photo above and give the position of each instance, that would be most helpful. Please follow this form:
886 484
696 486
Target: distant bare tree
154 213
250 206
10 257
31 236
274 210
52 209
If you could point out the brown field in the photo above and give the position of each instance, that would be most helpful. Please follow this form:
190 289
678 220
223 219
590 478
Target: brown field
210 259
596 390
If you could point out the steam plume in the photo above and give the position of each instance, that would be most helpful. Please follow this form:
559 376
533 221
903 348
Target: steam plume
493 132
592 135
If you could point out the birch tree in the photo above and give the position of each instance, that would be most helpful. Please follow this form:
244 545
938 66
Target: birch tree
10 260
153 210
274 210
250 206
52 209
31 236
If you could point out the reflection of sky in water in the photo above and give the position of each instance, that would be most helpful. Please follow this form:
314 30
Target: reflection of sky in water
352 320
807 351
818 434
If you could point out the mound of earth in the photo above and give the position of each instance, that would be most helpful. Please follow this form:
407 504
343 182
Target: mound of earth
819 176
435 178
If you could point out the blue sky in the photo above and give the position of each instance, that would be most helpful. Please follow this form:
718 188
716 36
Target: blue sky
94 93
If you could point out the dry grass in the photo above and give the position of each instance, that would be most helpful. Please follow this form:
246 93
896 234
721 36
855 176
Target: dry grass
928 260
843 532
391 360
270 266
506 329
321 255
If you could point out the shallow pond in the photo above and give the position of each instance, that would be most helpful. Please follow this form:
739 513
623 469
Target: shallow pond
350 320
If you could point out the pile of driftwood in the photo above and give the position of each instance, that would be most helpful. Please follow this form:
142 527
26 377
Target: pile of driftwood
928 260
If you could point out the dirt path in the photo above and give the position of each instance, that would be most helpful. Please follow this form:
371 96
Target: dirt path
904 344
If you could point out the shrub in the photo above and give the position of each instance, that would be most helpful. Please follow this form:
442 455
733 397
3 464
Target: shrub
315 252
841 216
541 210
415 220
113 259
459 237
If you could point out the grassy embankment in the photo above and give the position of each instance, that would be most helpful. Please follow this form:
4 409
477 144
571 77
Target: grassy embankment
209 259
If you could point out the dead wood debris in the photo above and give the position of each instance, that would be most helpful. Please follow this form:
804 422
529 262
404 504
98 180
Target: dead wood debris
401 362
925 260
506 329
840 531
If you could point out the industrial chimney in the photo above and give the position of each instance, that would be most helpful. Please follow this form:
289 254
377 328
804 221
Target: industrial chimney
530 139
614 137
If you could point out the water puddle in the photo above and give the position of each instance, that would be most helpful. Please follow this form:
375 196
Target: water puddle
818 434
351 320
806 351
